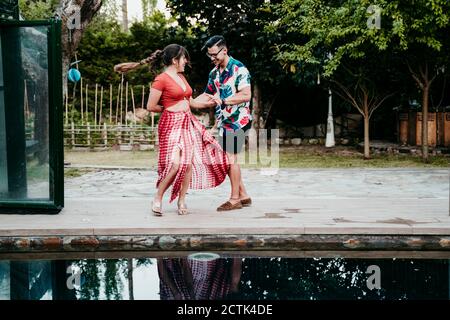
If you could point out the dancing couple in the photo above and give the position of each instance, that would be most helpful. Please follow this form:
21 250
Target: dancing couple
189 155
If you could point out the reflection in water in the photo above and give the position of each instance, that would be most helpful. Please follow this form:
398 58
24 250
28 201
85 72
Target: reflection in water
205 277
198 279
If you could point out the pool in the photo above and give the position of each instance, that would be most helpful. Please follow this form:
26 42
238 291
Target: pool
225 275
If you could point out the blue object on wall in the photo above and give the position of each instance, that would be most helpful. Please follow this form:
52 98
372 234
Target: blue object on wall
74 75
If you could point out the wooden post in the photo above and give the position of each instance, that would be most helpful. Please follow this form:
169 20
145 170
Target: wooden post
117 104
134 107
126 102
101 106
67 108
143 97
119 135
110 103
87 110
121 101
81 95
105 135
88 128
95 105
131 134
72 131
73 99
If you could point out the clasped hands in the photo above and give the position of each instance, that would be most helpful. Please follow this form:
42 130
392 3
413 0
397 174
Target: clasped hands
213 100
184 105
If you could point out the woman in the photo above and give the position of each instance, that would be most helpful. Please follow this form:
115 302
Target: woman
189 156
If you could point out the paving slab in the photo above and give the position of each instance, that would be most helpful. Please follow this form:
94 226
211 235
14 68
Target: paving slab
292 202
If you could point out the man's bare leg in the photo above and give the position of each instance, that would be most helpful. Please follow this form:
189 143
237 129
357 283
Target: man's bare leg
242 191
235 178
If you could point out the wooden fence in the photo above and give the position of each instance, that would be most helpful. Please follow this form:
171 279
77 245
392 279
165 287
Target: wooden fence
132 137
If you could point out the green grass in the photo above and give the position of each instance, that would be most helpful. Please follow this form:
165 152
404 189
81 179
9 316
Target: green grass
341 157
75 172
134 159
289 157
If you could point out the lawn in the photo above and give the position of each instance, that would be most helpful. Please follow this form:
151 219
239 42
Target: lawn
289 157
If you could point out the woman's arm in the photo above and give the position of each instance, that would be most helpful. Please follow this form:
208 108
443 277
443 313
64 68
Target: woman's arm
152 104
202 101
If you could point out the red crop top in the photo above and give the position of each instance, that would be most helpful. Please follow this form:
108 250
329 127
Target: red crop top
171 90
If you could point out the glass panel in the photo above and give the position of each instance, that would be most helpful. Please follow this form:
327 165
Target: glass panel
24 120
4 281
3 173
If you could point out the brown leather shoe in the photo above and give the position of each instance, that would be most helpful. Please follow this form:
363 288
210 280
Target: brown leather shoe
246 202
229 206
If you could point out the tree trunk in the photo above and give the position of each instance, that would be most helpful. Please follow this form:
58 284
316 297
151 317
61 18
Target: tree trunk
256 107
425 94
125 15
366 132
130 278
71 33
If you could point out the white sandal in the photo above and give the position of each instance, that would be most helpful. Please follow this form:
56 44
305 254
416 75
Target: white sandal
156 208
182 209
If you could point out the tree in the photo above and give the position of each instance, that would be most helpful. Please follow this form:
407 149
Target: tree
349 30
423 27
75 15
147 7
125 15
241 23
333 38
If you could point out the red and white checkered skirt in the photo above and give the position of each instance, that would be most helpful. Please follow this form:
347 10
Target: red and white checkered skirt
182 130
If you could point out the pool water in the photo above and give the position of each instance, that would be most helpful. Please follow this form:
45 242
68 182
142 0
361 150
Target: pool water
210 276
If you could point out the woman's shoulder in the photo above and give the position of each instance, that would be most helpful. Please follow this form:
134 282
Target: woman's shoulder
161 76
159 82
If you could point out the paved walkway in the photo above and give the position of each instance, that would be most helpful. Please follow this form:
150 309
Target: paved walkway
335 210
291 202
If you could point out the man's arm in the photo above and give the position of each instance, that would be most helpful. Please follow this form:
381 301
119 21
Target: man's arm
244 95
202 101
241 96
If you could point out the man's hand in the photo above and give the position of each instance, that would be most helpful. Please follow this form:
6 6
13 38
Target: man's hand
216 99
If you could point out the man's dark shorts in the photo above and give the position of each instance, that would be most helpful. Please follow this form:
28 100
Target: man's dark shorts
232 142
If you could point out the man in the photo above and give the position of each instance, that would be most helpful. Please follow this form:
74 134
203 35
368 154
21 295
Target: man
229 86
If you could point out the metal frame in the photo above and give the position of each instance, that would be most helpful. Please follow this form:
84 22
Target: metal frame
56 146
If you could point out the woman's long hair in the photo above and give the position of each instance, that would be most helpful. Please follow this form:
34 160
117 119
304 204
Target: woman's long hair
170 52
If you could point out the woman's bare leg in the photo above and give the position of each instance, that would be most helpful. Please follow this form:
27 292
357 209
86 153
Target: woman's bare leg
167 181
185 184
182 209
